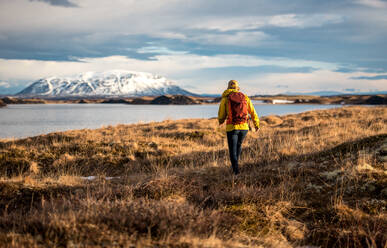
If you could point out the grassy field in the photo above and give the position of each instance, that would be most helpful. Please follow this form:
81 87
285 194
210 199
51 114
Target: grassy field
317 178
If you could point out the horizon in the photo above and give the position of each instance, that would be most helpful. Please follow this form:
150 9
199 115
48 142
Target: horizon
92 75
270 48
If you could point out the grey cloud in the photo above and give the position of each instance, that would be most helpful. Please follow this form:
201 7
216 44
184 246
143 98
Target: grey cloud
378 77
373 3
159 50
351 90
64 3
345 70
358 69
69 47
95 36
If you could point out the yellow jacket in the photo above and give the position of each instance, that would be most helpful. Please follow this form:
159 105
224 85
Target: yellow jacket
223 110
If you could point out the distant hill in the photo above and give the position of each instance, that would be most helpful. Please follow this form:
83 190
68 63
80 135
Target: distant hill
335 93
109 83
2 104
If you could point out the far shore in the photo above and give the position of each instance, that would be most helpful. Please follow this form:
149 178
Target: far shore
190 100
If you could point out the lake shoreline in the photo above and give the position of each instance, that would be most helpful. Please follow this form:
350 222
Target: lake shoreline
25 120
191 100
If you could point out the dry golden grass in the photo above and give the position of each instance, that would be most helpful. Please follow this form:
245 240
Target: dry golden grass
317 178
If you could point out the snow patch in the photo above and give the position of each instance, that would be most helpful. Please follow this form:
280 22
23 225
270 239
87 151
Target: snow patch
280 101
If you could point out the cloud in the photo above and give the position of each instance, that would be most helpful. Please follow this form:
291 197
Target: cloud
206 73
159 50
169 35
4 84
373 3
307 82
164 64
377 77
230 23
290 20
346 69
335 31
196 40
237 39
303 21
64 3
351 90
351 69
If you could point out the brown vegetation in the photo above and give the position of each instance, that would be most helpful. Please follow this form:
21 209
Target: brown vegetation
14 100
2 104
316 178
179 99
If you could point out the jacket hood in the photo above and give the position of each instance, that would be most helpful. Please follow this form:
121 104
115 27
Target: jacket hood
228 91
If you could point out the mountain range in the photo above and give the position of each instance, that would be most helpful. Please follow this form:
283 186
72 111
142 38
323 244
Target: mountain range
108 83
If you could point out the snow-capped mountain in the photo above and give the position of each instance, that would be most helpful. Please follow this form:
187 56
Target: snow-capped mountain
109 83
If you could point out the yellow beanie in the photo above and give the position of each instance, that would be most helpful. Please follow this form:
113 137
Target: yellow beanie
233 84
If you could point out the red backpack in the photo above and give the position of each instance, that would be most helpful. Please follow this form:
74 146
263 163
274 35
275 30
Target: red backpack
237 106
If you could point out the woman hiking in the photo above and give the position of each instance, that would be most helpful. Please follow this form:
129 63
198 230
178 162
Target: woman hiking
235 107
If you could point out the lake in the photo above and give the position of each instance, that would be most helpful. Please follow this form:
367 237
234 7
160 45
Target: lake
24 120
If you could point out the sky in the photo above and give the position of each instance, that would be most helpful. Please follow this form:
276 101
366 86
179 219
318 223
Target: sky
268 46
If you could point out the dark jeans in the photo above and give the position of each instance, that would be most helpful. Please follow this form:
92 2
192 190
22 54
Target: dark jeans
234 140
